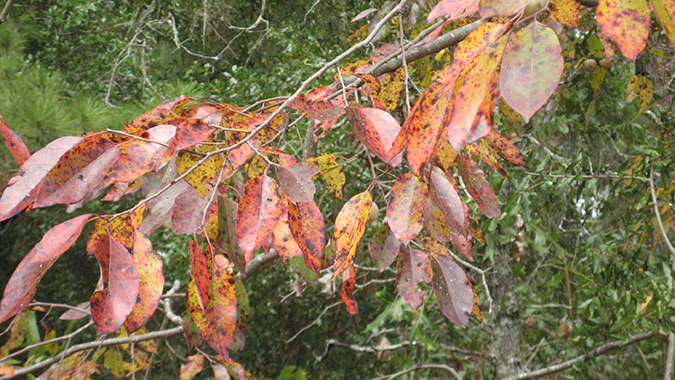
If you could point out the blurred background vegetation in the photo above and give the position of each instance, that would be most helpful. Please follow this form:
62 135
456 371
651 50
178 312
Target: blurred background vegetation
588 261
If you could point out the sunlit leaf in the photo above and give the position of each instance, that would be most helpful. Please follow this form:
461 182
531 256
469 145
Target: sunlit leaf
258 213
626 22
412 268
350 224
531 68
452 289
22 285
406 203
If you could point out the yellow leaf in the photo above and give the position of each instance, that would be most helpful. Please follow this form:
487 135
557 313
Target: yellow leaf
331 172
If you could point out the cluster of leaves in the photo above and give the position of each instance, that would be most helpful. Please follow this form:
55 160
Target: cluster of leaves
219 173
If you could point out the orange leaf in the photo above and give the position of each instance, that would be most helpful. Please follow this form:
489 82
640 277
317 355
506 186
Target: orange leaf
478 186
376 129
258 213
308 229
626 22
151 283
16 146
531 68
221 313
190 132
350 224
111 306
665 12
200 271
23 284
347 288
412 268
192 367
23 188
406 203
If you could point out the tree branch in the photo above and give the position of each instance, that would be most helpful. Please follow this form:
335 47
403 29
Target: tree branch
601 350
5 11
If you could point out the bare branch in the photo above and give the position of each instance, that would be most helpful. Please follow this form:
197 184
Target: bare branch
5 11
420 367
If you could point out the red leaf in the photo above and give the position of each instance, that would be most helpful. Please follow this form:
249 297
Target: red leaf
221 313
470 94
453 8
350 224
626 22
23 284
383 247
16 146
347 289
478 186
448 201
283 241
376 129
453 291
151 283
296 181
192 367
320 110
482 124
258 213
21 191
406 203
191 211
190 132
508 150
308 229
162 113
531 68
200 271
111 306
412 268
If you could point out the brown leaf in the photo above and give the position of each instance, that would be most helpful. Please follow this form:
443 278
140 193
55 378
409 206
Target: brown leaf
508 150
22 285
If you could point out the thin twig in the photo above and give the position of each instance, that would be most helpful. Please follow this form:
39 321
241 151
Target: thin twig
420 367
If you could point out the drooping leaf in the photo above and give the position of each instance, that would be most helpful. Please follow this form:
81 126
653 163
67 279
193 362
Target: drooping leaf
195 309
665 12
626 22
16 146
347 289
531 68
21 191
200 271
434 223
478 186
482 124
448 201
227 241
470 94
191 212
508 150
296 181
151 283
331 171
489 8
383 247
243 314
350 224
282 238
258 213
642 88
406 203
486 153
452 289
309 230
412 268
193 366
22 285
111 306
161 207
113 362
453 8
221 313
446 155
376 129
391 85
17 333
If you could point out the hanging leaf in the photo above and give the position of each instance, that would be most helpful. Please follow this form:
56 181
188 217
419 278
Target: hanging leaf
383 247
308 229
296 181
200 271
412 268
350 224
151 283
478 186
446 155
227 242
283 241
434 223
111 306
319 110
376 129
453 8
531 68
21 191
626 22
665 12
347 289
258 213
221 313
508 150
22 285
243 313
201 173
471 92
482 124
406 203
16 146
193 366
331 171
481 150
190 132
453 291
448 201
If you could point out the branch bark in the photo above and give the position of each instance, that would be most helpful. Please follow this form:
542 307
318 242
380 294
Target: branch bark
5 11
601 350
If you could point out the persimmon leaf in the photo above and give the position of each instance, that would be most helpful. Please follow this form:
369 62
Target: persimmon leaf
478 186
448 201
193 366
376 129
221 313
531 68
319 110
350 224
489 8
22 285
565 11
383 247
111 306
347 289
190 132
200 271
308 228
150 285
331 171
412 268
506 149
258 213
626 22
16 146
406 203
227 241
296 181
454 294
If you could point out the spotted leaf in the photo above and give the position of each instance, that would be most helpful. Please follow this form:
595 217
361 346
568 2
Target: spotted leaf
258 213
350 224
412 269
296 181
150 285
221 313
406 203
453 291
453 8
478 186
376 129
308 229
383 247
626 22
